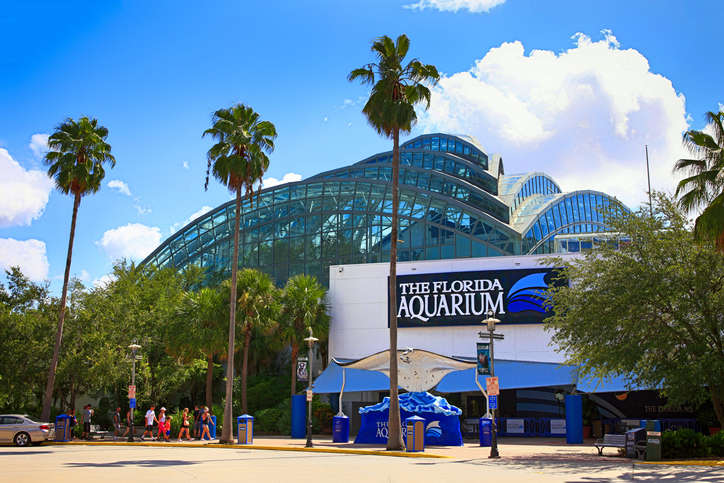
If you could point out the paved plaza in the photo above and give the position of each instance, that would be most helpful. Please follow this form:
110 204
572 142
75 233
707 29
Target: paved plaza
522 460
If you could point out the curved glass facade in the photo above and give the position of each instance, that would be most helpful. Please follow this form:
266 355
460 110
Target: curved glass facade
449 208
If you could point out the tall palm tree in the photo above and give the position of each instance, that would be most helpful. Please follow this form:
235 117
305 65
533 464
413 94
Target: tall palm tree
258 308
239 160
303 307
396 88
198 329
704 187
78 150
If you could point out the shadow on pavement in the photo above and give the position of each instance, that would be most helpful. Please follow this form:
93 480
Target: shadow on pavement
21 452
136 463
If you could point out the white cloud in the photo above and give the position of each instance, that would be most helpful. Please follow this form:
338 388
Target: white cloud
83 276
177 226
39 144
582 116
103 281
474 6
119 187
23 193
288 178
185 165
29 255
133 241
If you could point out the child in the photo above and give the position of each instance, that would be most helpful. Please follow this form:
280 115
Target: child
168 429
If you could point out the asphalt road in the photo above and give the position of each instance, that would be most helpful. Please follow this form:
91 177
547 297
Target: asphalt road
137 464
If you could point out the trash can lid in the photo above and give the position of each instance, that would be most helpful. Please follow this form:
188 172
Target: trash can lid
245 416
414 418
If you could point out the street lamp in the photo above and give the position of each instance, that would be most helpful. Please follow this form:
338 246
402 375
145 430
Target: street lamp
134 348
490 322
311 340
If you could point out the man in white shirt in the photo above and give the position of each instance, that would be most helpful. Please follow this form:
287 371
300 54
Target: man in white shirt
150 419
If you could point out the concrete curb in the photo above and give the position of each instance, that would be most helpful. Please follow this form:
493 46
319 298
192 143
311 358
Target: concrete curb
398 454
684 463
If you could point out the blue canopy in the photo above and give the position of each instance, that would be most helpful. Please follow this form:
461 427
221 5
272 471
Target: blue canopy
615 384
512 375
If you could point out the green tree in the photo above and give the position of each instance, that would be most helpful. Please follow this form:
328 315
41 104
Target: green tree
198 330
75 161
303 307
704 186
239 161
258 308
396 89
648 307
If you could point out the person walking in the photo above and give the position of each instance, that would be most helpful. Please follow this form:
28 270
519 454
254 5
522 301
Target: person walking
161 425
150 419
128 423
205 421
185 425
73 422
85 419
197 422
116 423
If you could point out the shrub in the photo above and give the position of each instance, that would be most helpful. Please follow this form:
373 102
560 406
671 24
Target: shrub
684 443
266 420
716 444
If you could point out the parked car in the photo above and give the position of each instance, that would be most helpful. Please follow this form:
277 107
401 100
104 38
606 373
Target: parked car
22 430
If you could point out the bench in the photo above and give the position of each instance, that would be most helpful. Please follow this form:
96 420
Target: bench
95 430
611 441
470 427
640 450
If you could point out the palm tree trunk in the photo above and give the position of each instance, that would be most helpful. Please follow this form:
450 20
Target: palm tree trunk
295 358
45 414
245 368
226 436
394 441
209 379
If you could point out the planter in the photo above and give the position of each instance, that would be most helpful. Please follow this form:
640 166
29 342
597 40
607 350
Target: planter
586 432
713 431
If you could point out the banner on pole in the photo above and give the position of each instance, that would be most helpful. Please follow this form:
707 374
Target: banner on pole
302 371
132 392
493 388
483 359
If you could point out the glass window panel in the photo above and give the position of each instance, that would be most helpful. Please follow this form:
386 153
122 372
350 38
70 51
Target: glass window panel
281 229
426 143
281 195
330 203
312 269
436 184
344 243
419 209
423 180
313 247
406 159
410 177
443 144
386 174
347 188
314 190
594 210
437 210
281 251
265 253
417 144
447 252
296 269
314 204
346 203
432 235
429 161
266 232
417 160
460 169
345 221
417 235
371 173
452 216
296 208
449 188
298 192
479 250
383 159
439 163
359 241
407 199
432 253
551 224
281 211
556 216
435 143
250 256
562 211
459 148
462 246
586 206
329 222
341 174
331 189
462 193
356 173
281 275
449 166
267 198
329 245
296 226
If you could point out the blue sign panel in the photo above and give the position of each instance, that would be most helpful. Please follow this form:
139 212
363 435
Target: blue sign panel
133 402
493 402
464 298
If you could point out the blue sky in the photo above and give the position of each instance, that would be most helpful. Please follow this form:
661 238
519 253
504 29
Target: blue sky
575 89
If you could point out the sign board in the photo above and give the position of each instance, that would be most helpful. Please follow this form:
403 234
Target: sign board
493 402
132 403
302 371
310 393
483 359
558 426
463 298
515 426
132 392
493 388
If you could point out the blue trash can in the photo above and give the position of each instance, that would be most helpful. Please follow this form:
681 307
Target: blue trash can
299 416
415 440
486 432
340 429
62 428
212 428
245 429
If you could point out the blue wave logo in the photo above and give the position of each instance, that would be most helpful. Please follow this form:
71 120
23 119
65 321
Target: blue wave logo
433 430
528 293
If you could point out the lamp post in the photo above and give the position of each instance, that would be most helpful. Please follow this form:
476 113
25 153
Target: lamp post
490 322
134 348
311 340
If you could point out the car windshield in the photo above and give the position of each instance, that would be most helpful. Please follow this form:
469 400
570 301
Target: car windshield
32 419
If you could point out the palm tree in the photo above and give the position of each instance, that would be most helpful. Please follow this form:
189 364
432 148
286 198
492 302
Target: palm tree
198 329
258 308
303 307
396 88
75 161
239 161
704 188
